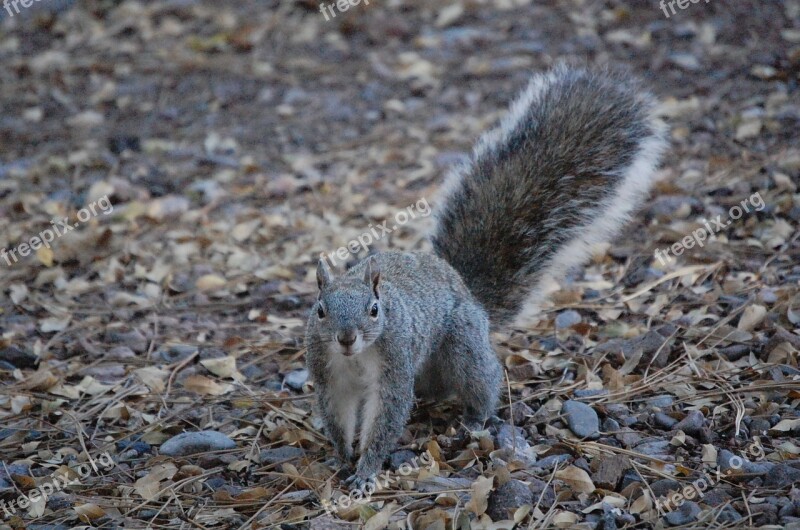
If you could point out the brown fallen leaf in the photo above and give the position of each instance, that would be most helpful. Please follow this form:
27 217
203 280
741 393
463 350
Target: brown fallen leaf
578 479
223 367
89 512
149 486
480 495
200 384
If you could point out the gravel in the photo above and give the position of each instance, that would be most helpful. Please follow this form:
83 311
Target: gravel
685 514
188 443
507 498
582 419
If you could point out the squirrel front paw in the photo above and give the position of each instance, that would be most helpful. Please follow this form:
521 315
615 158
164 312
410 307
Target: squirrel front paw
358 483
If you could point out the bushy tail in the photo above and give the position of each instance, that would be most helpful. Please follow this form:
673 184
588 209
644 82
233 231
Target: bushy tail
564 170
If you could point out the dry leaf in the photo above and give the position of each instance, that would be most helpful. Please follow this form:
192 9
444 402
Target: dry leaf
89 512
48 325
211 282
577 479
153 377
204 386
45 256
223 367
42 379
751 317
380 520
149 486
786 425
564 519
642 504
479 500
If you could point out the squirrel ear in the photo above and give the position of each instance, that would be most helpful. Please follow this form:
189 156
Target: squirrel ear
372 275
324 275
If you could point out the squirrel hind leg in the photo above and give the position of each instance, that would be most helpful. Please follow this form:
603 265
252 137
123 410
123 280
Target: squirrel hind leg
469 367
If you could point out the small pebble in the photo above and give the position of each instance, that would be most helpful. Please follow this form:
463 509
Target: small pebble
296 379
685 514
188 443
567 319
281 454
664 421
507 498
693 424
582 419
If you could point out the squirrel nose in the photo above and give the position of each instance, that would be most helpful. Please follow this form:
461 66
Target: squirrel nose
347 338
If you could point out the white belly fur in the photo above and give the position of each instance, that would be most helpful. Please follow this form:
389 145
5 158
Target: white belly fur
355 390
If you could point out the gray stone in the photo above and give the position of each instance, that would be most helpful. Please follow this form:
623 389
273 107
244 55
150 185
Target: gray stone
685 514
731 464
664 421
586 392
281 454
617 409
511 437
759 426
507 498
120 353
654 447
629 420
567 319
610 426
177 352
296 379
519 413
541 490
628 437
398 458
693 424
189 443
134 339
610 470
781 476
663 487
582 419
608 520
18 358
660 402
549 462
729 515
717 496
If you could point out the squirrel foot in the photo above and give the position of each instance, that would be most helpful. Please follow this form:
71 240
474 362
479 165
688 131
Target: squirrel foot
357 483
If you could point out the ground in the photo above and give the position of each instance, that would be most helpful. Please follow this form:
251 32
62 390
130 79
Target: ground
219 147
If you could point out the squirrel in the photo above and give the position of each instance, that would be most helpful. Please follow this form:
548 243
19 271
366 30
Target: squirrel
564 170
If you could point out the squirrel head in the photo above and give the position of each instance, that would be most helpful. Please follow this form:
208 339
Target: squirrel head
347 317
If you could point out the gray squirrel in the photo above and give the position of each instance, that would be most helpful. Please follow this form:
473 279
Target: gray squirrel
564 170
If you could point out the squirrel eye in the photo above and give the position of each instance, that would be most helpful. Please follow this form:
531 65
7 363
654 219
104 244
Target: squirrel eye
320 312
373 312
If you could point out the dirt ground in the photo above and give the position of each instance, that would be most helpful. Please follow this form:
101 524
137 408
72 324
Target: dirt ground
204 153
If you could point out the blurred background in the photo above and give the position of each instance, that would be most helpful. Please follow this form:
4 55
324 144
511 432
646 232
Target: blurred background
237 140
